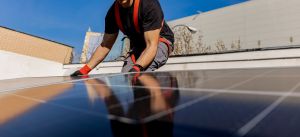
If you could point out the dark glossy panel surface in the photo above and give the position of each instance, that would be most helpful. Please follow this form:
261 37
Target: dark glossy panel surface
24 117
269 83
206 103
221 115
282 122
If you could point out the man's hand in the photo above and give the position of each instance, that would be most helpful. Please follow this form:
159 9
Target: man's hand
136 68
137 72
76 74
83 71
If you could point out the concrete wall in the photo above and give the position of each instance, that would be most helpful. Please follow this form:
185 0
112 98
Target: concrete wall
18 66
253 59
15 65
252 24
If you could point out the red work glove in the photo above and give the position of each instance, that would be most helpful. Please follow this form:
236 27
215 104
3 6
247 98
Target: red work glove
136 69
83 71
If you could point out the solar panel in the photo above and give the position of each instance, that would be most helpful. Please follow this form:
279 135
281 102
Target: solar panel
210 103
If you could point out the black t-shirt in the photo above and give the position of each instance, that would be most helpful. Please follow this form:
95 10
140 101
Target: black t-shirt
150 18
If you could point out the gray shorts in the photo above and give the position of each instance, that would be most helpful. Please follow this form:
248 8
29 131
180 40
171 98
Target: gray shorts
160 59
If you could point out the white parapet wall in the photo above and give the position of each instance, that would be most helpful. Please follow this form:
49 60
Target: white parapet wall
250 59
20 66
15 65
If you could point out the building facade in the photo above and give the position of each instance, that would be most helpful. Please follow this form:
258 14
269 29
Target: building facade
33 46
91 42
254 24
94 39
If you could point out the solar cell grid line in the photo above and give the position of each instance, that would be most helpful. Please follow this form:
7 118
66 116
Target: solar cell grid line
212 90
161 87
34 86
63 82
282 122
224 82
210 79
121 74
141 99
289 72
94 78
180 107
146 97
247 92
270 83
47 84
269 93
60 105
122 119
234 102
224 75
72 108
233 91
265 93
70 81
250 79
258 118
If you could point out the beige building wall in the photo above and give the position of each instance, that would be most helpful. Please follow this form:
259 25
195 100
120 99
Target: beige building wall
91 42
25 44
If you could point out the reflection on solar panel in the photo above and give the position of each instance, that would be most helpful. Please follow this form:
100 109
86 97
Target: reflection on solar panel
208 103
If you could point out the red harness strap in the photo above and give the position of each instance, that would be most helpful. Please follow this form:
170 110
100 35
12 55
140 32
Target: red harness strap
135 16
133 58
136 24
163 40
118 17
168 43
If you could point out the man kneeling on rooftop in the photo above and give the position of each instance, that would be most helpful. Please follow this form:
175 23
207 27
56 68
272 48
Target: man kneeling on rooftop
151 39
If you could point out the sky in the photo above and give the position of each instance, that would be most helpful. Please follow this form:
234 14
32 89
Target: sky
66 21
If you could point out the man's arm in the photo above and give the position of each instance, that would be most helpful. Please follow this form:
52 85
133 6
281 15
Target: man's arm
102 51
151 39
99 55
